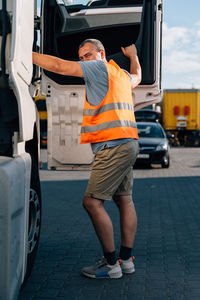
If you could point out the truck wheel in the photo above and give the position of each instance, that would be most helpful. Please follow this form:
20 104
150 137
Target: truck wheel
34 218
166 162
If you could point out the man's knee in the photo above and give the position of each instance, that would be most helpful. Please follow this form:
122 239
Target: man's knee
91 204
123 201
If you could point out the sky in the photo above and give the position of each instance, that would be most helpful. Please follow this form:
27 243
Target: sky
180 44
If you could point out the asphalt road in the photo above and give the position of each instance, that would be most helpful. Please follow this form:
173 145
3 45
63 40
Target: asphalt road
166 247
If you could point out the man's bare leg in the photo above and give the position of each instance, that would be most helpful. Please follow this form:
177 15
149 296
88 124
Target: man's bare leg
108 266
128 219
101 221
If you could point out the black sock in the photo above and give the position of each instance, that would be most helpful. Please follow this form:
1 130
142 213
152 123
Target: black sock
110 257
125 253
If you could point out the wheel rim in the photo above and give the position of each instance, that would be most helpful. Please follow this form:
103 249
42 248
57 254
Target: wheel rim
34 220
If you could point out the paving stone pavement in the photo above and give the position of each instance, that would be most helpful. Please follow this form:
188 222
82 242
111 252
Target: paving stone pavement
166 247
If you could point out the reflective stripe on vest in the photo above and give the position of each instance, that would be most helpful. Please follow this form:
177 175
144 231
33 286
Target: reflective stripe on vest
107 107
108 125
114 118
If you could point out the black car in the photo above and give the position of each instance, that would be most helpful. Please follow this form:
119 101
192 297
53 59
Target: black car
154 147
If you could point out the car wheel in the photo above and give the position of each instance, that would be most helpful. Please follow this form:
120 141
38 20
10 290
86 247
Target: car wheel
166 162
34 218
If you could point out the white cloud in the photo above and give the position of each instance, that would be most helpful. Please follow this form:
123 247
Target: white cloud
181 56
174 36
181 62
189 83
198 33
197 23
181 81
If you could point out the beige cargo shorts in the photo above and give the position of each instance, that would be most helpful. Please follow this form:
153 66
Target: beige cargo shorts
112 171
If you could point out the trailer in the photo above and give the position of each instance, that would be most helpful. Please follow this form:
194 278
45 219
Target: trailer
181 116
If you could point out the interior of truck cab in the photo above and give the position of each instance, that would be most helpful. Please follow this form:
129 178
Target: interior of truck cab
116 23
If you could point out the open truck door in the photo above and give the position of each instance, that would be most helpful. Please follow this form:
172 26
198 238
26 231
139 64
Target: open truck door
116 23
20 197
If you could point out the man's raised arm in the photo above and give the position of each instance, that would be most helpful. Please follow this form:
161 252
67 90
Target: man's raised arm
135 68
57 65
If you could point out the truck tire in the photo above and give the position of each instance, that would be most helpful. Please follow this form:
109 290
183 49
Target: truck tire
166 162
35 210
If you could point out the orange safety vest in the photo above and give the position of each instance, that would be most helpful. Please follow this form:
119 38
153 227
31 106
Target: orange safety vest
114 118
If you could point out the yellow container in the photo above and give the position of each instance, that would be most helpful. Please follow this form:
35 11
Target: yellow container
181 109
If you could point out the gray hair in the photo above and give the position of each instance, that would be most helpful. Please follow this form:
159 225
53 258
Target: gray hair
98 45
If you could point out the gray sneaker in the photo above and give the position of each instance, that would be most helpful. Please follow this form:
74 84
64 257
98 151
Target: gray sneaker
101 269
127 265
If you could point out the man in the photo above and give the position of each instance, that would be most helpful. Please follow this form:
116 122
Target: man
109 125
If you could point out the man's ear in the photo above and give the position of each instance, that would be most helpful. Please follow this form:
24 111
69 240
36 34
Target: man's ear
103 54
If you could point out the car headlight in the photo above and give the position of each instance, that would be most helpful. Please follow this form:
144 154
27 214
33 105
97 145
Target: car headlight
162 147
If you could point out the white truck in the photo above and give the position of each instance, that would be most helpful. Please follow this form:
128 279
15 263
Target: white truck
62 25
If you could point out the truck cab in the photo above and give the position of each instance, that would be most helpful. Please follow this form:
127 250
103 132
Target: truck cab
57 30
